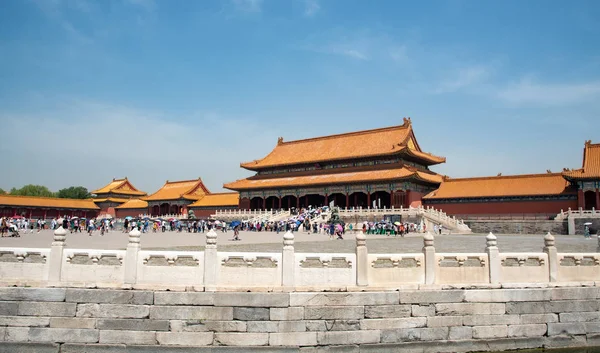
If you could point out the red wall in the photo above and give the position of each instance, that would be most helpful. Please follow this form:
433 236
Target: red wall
509 207
49 213
132 212
414 196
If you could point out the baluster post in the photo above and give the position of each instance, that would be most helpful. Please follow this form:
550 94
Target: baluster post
429 252
288 261
131 257
550 250
362 260
211 261
55 260
493 258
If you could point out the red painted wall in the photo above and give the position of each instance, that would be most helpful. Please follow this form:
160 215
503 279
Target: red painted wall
132 212
509 207
49 213
414 198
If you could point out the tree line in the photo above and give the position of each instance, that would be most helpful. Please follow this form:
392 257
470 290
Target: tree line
73 192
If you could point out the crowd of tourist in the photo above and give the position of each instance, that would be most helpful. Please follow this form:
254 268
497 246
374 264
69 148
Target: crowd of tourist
310 220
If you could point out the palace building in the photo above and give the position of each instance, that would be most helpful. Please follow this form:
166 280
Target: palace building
535 194
381 167
46 207
177 198
386 167
116 193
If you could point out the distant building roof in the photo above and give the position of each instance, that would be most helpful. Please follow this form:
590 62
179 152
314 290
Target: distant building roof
359 144
591 164
119 186
335 178
218 199
501 186
133 203
47 202
173 190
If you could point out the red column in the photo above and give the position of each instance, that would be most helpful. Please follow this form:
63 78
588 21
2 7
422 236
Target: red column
580 199
297 202
30 211
347 199
45 211
597 199
368 199
279 201
326 200
392 204
14 211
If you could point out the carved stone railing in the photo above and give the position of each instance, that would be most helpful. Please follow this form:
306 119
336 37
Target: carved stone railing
211 270
580 213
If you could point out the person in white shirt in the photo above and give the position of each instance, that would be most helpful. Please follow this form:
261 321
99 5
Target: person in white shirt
91 227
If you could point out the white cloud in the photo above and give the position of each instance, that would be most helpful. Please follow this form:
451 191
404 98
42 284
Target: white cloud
86 143
311 7
463 78
399 54
528 92
248 5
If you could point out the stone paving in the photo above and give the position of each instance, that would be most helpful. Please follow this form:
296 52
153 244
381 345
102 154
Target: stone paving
272 242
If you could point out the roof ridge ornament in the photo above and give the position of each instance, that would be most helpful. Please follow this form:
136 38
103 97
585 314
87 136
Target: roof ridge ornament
280 140
588 142
407 121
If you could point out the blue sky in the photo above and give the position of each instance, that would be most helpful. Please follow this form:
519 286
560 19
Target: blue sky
158 90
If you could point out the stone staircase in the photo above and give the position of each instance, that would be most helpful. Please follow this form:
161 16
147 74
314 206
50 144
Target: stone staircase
430 216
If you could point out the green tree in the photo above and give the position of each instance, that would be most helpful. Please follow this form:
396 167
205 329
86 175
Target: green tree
32 190
2 192
74 192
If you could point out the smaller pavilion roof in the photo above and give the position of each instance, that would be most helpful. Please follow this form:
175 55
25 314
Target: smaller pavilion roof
133 203
218 199
119 186
186 189
501 186
111 199
591 164
335 178
47 202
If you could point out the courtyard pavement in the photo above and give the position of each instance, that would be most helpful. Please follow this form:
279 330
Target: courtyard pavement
273 242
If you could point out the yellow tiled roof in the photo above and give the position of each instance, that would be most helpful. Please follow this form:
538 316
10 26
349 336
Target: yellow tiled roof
47 202
173 190
111 199
368 143
499 186
218 199
591 163
133 203
334 178
119 186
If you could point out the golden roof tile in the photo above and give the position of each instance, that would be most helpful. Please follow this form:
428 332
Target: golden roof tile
334 178
47 202
119 186
111 199
218 199
591 164
133 203
500 186
360 144
173 190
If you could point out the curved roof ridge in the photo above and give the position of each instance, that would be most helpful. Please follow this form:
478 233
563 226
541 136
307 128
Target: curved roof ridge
514 176
352 133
